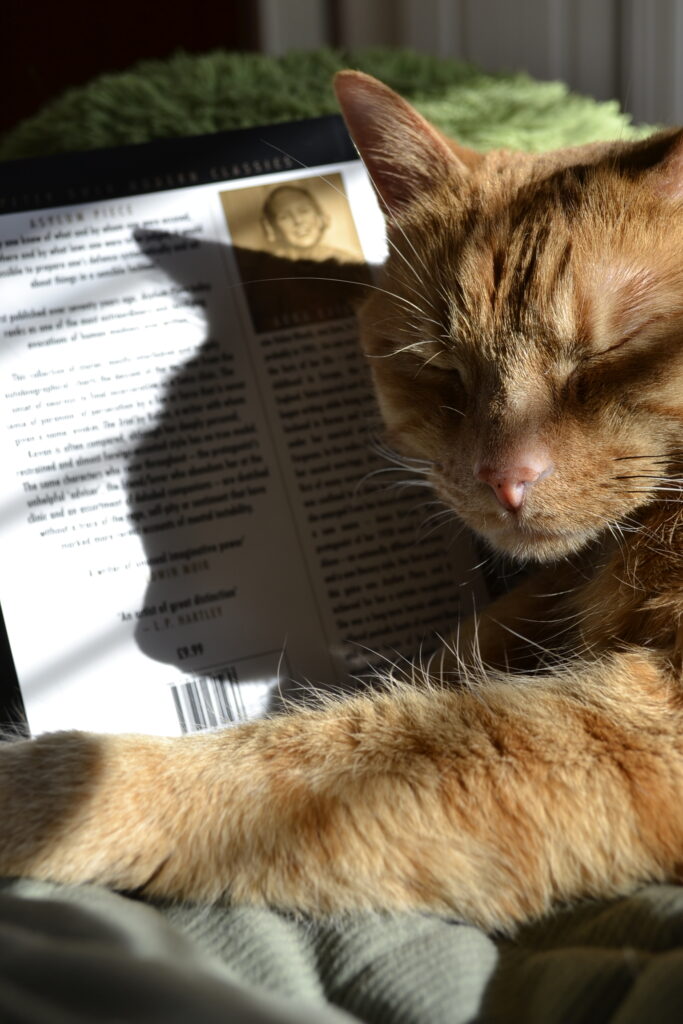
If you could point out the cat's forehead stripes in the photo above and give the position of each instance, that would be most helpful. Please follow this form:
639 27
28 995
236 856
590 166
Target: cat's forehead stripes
576 271
618 300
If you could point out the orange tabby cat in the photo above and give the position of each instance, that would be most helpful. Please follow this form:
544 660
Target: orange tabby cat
526 346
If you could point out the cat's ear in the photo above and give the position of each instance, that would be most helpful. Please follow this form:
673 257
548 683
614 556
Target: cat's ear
671 168
404 154
660 159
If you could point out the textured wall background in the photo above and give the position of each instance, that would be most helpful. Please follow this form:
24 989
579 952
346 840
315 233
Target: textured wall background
630 50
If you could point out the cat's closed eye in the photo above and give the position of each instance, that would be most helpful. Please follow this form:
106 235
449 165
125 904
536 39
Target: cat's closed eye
612 345
444 362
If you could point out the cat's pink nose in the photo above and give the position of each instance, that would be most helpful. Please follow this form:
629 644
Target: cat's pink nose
511 482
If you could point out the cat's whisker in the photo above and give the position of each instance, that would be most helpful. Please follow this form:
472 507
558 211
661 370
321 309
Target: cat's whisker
561 618
448 516
391 455
666 478
396 462
654 542
557 593
405 348
481 564
278 671
416 289
455 534
399 465
394 222
378 472
451 408
440 514
426 504
618 538
662 501
386 670
427 362
465 673
365 480
657 489
399 324
416 323
384 469
527 640
659 456
627 525
404 484
416 326
340 192
416 473
478 659
337 280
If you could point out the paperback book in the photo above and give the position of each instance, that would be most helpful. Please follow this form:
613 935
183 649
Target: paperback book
194 516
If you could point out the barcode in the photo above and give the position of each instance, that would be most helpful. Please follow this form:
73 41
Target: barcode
208 702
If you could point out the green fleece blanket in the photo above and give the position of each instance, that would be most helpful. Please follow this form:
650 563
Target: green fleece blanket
76 955
190 95
84 954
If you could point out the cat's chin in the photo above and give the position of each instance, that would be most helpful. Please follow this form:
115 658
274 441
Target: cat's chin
543 546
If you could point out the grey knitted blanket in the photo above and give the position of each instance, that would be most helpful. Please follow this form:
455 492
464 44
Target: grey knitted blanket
87 955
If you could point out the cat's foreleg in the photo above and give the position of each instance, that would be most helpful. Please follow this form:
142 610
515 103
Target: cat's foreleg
490 804
529 624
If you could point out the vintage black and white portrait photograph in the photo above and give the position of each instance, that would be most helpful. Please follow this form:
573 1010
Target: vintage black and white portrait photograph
297 250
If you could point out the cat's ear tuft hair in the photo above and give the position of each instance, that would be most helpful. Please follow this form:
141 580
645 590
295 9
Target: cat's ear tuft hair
404 154
671 169
660 159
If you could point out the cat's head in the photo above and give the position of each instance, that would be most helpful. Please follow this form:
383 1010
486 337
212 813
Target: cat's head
526 333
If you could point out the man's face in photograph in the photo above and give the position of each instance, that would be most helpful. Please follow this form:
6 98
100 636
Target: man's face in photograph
295 218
